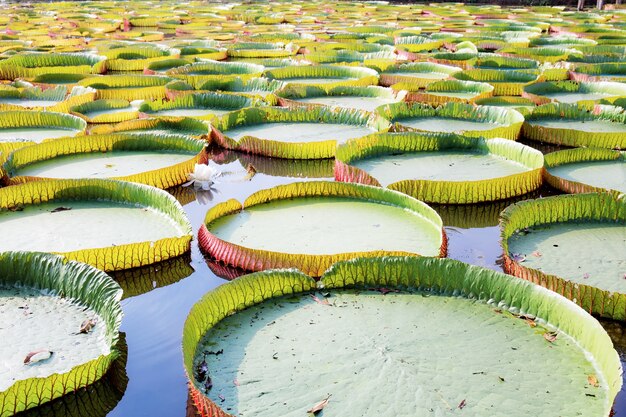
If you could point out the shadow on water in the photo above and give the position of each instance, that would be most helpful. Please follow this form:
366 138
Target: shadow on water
139 281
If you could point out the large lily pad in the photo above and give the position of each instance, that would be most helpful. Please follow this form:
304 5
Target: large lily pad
105 111
326 76
504 82
109 224
33 64
465 119
199 73
298 133
446 91
128 87
572 244
417 74
156 126
358 98
45 301
584 170
23 125
161 161
380 318
441 168
349 219
571 92
205 106
564 124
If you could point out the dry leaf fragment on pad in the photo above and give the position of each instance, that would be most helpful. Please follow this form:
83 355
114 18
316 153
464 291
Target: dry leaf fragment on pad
37 356
319 406
593 380
59 209
550 336
319 301
86 326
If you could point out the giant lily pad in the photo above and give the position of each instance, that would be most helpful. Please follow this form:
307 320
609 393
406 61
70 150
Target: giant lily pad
199 73
326 76
128 87
106 111
441 168
45 302
584 170
298 133
504 82
599 72
358 98
572 244
33 64
465 119
109 224
205 106
261 50
571 92
156 126
380 318
137 57
162 161
568 125
418 74
349 219
23 125
441 92
34 98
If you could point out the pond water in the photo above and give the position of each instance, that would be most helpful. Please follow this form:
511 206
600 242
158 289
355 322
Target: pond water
158 298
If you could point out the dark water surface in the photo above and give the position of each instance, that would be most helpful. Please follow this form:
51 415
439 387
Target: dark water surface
158 298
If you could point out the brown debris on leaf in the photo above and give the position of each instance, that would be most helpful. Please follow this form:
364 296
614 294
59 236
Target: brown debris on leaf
320 301
593 380
86 326
319 406
59 209
550 336
37 356
385 291
462 405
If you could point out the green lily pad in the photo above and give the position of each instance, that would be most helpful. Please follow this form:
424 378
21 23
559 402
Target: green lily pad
348 218
289 348
110 224
441 168
586 170
572 244
61 328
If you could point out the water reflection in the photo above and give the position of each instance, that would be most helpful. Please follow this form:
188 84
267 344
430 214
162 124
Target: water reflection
276 167
617 332
224 271
186 195
95 400
139 281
